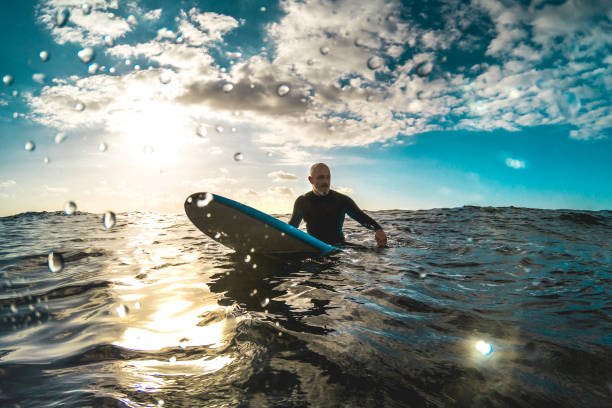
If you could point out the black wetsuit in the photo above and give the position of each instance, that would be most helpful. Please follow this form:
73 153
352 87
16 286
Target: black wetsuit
324 215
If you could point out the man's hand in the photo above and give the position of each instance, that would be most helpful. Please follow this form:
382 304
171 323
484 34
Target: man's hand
381 238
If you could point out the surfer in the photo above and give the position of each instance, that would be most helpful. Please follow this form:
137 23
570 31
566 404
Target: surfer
323 210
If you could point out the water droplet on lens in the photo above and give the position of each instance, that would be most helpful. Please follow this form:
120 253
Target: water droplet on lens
108 40
247 258
102 147
253 292
262 9
283 90
8 80
202 131
86 8
44 56
59 138
227 87
208 215
424 69
324 50
79 106
165 77
122 310
205 200
219 129
484 347
70 208
217 235
30 146
179 40
92 68
189 200
310 62
61 18
160 403
252 86
86 55
46 160
112 70
109 219
15 92
55 261
136 67
14 308
132 20
375 62
265 302
238 156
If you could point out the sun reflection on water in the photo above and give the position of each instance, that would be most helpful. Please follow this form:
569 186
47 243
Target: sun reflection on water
164 307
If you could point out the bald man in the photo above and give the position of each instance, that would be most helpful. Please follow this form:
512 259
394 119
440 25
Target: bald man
323 210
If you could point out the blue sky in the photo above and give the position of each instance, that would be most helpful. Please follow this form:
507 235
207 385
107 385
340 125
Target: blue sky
451 103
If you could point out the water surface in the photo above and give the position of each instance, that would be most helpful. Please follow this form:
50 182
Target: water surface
151 312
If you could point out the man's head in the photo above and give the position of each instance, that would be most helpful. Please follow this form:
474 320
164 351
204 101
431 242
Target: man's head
320 178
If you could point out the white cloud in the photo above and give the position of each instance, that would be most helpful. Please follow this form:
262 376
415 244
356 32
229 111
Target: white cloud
335 99
344 190
7 183
281 176
85 29
152 15
56 189
514 163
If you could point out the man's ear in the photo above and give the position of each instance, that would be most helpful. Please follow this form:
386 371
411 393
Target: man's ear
310 179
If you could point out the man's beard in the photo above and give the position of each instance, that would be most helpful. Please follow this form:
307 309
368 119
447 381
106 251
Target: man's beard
319 192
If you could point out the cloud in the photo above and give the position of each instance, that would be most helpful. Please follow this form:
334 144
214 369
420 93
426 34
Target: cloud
84 29
344 190
280 176
56 189
321 50
7 183
514 163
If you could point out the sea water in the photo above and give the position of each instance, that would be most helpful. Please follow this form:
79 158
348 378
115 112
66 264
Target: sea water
466 307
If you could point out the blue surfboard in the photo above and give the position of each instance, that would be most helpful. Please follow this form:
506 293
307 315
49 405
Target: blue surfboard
247 230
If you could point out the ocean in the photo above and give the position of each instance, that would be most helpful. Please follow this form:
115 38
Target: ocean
467 307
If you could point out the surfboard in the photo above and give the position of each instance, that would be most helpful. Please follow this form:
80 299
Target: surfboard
247 230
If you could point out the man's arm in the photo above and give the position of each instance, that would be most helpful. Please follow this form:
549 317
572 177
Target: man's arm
296 217
364 219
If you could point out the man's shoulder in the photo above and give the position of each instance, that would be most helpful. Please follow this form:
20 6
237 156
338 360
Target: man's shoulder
339 196
304 196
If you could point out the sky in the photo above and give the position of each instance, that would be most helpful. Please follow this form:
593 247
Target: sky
134 105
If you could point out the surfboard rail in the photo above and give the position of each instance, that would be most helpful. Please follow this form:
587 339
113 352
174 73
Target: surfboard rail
243 228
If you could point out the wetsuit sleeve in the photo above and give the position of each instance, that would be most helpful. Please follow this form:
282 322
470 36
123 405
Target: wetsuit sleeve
296 217
364 219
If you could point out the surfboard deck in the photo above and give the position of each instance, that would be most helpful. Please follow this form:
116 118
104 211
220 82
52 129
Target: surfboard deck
247 230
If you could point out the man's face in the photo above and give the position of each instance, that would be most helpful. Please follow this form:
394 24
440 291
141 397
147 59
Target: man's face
320 180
